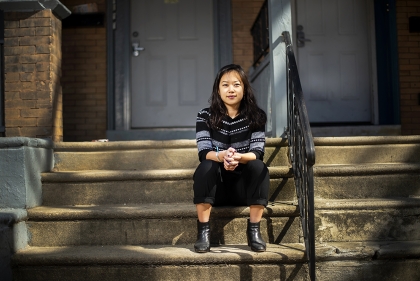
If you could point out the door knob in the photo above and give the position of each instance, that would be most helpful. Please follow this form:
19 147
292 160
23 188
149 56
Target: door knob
301 37
137 49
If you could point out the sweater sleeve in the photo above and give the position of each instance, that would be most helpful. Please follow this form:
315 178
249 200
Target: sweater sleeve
257 142
203 138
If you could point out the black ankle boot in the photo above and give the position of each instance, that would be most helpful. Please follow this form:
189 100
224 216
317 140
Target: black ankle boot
254 237
202 244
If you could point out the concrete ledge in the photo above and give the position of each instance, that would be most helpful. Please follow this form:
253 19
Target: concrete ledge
141 144
147 211
22 160
366 169
228 254
366 130
56 6
9 217
367 204
125 175
22 141
159 255
350 141
336 251
13 237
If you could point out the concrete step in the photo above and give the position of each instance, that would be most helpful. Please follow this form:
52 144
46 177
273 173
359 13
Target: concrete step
358 150
144 155
163 224
391 219
138 187
367 181
335 261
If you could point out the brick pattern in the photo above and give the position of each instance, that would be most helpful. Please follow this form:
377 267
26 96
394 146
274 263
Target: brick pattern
244 13
84 79
409 67
32 57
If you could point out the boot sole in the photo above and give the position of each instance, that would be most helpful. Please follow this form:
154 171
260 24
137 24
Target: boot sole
202 251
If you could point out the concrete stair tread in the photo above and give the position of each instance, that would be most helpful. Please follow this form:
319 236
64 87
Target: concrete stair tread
368 203
147 211
141 144
155 255
365 140
158 255
365 169
125 175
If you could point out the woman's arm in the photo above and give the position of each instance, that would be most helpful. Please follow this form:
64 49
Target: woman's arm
216 156
203 136
244 158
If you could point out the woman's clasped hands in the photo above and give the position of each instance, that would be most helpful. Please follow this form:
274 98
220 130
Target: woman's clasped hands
231 159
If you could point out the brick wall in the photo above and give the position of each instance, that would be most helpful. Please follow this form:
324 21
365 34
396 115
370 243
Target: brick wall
32 58
244 13
409 67
84 79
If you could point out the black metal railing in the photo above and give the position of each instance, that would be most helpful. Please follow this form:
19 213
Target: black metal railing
259 32
302 152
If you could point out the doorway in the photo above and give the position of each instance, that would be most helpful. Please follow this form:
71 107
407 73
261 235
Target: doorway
335 62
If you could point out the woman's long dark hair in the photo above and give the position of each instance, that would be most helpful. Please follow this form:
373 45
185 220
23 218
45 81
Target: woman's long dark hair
248 107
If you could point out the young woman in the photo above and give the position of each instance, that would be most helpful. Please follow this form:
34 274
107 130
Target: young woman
230 139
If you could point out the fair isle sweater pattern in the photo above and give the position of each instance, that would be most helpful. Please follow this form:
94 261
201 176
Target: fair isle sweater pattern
234 133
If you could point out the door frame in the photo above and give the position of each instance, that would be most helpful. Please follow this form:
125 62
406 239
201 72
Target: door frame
119 57
387 63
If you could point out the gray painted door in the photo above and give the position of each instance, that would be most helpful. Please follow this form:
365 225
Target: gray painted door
171 79
334 65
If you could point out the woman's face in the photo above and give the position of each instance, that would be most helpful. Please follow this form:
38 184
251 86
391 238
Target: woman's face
231 89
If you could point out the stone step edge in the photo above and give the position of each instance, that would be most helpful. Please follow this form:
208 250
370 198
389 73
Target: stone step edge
186 210
150 211
141 144
330 170
270 142
367 203
127 175
365 140
161 255
275 172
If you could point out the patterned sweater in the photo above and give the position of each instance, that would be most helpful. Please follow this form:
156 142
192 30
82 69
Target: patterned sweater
235 133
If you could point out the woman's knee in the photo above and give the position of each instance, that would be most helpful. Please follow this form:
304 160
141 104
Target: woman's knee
256 165
206 167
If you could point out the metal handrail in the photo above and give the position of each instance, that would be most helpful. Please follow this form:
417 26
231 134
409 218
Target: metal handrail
302 152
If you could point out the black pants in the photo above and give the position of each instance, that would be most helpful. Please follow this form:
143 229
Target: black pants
247 185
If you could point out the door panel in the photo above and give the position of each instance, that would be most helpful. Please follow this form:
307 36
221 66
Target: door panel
334 65
172 77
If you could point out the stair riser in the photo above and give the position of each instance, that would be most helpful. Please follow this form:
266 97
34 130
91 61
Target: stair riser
224 272
156 231
367 225
389 270
326 271
139 192
395 153
367 186
147 159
